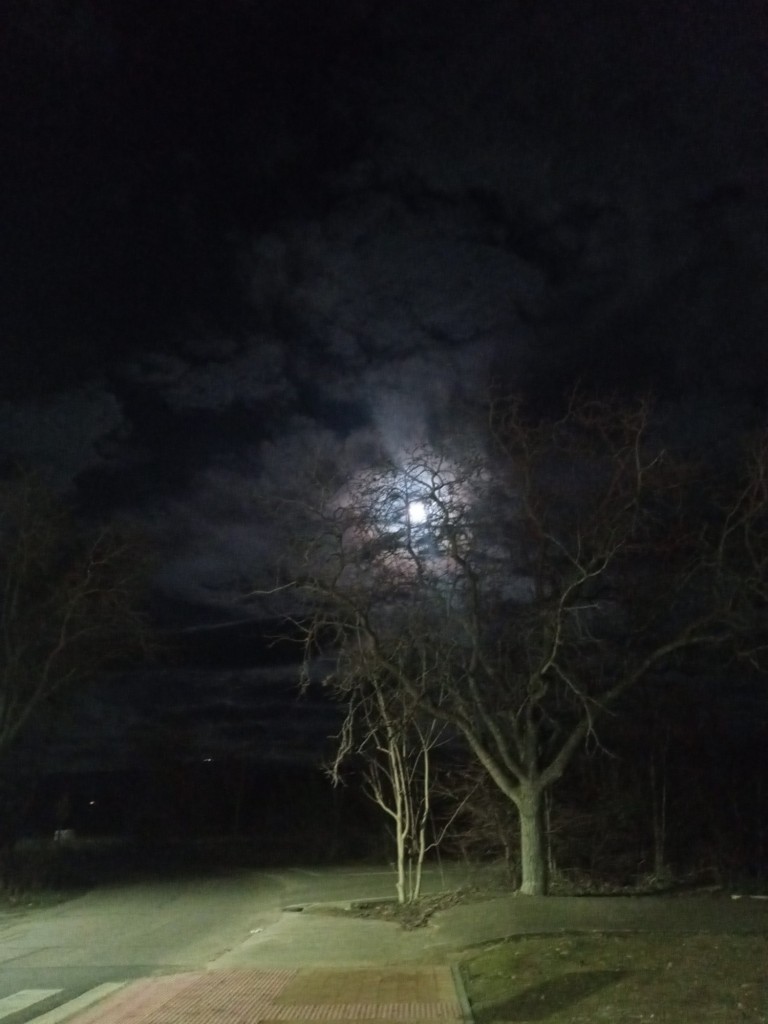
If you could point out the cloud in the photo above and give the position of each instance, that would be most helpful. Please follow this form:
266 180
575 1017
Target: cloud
65 435
211 539
397 304
395 277
251 375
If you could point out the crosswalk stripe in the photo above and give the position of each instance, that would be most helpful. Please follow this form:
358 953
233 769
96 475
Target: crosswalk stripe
82 1002
23 998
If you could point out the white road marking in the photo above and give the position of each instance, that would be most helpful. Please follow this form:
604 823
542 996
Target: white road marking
25 997
69 1009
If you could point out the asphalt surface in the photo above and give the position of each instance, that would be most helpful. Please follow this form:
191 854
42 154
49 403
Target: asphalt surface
113 934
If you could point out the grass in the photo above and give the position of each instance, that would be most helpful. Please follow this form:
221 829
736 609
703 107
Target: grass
620 979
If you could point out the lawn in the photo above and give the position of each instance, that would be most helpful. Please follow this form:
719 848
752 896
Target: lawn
663 979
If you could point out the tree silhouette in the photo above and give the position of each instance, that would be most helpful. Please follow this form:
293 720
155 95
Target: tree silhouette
546 576
70 605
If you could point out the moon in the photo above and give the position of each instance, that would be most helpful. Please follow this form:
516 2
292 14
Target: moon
417 513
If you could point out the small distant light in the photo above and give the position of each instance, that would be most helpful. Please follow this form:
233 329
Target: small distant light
207 759
91 802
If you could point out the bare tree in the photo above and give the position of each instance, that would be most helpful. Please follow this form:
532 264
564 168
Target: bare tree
70 604
396 744
539 581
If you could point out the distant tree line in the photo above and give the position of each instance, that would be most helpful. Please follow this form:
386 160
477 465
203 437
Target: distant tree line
72 603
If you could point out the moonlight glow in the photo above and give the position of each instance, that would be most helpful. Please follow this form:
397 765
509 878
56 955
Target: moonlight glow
417 513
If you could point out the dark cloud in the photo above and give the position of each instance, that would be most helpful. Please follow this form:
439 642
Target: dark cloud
239 237
65 435
243 222
251 374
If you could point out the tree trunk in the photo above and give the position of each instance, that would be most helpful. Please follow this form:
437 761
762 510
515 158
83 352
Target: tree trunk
401 819
400 843
659 798
659 804
534 877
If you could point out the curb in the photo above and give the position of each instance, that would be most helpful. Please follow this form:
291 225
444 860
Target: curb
461 993
355 904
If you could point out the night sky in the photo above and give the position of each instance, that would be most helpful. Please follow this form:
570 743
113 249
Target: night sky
233 231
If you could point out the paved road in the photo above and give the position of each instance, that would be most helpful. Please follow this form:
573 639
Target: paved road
114 934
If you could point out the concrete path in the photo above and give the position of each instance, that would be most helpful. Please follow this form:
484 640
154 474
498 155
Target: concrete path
313 936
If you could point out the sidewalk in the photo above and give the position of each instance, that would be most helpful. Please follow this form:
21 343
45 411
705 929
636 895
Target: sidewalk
314 937
296 995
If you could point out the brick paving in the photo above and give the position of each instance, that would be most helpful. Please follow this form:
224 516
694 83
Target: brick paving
251 996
